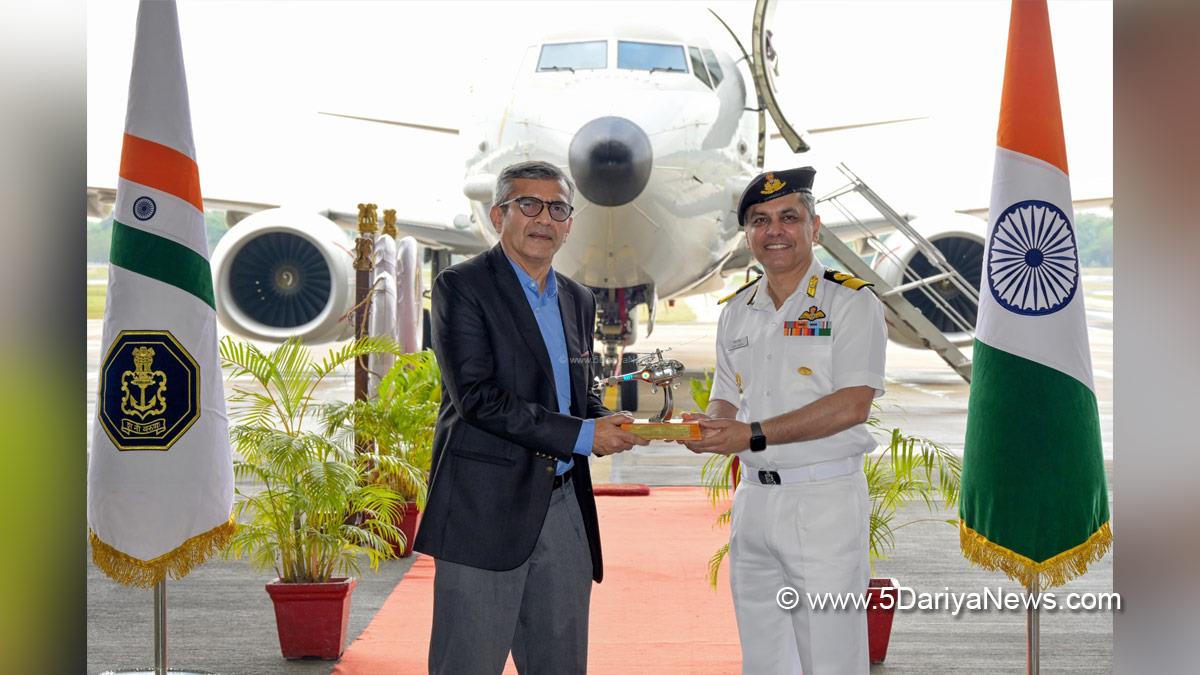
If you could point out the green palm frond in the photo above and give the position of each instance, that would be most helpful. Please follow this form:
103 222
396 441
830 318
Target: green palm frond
700 390
363 347
725 517
398 424
716 475
714 565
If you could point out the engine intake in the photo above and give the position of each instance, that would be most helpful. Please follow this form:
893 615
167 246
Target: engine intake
283 273
960 239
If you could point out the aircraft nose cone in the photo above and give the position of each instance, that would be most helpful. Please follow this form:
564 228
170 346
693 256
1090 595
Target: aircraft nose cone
610 160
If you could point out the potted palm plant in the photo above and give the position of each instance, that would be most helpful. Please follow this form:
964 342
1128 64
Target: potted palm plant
305 509
908 469
399 424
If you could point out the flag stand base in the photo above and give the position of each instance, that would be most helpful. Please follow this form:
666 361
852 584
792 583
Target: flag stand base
160 641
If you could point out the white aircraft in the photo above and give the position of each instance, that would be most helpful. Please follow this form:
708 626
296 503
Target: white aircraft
659 131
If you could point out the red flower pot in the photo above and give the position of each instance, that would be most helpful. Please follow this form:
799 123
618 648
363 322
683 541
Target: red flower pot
407 525
879 620
312 618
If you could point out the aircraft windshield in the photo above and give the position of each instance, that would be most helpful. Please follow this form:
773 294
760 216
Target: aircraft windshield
647 56
714 68
574 56
698 67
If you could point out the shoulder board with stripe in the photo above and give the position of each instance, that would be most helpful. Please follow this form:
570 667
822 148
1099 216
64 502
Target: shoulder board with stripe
847 280
741 288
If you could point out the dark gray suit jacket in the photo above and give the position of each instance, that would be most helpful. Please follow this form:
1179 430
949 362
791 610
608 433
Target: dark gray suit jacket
499 431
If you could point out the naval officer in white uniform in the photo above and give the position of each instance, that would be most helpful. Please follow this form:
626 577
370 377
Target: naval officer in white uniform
800 357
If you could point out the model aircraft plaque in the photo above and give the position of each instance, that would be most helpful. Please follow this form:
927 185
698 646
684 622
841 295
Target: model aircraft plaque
664 431
660 373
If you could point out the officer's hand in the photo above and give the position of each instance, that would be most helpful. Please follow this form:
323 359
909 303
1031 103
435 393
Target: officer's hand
691 417
721 436
610 438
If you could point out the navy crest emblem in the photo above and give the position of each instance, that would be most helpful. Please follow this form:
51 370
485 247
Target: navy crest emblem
144 208
1033 263
149 391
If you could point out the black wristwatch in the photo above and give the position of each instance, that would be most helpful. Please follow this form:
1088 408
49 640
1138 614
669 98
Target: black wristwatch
758 442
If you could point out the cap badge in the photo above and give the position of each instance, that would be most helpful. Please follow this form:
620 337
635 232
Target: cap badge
772 185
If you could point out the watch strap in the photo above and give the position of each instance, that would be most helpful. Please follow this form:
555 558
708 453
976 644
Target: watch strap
758 442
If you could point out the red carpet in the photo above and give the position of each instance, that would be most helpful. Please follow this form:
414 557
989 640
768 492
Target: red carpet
654 613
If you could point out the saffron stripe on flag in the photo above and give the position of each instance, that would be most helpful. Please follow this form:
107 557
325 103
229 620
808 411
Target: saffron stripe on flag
162 168
162 259
1030 116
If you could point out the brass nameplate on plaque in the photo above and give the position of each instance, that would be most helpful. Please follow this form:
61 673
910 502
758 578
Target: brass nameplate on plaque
664 431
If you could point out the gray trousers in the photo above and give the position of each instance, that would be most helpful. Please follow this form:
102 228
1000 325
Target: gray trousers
539 610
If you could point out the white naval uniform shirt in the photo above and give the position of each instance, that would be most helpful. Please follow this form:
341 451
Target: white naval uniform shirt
767 373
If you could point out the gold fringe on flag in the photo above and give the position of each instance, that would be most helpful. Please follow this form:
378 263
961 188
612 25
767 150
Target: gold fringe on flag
130 571
1053 572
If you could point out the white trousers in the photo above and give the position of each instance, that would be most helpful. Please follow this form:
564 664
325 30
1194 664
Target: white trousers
811 537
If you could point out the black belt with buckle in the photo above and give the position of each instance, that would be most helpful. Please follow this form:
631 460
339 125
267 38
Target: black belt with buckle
562 480
769 478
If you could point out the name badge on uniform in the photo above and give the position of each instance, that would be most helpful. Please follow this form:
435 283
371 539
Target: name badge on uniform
738 343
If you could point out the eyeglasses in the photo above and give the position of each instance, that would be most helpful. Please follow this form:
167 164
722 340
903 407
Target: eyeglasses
532 206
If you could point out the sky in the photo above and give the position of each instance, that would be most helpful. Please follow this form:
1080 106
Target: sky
258 73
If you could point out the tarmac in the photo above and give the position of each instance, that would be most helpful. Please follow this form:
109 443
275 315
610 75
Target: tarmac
221 621
220 618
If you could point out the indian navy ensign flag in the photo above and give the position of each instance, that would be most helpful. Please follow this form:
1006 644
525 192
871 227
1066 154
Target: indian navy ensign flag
1034 501
160 474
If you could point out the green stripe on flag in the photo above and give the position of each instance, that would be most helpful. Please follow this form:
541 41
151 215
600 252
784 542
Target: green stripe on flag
1033 479
160 258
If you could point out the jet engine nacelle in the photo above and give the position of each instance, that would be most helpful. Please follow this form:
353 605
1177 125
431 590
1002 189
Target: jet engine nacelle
960 239
284 273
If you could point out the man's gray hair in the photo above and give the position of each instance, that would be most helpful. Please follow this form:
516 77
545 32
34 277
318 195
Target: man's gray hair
809 202
806 198
534 170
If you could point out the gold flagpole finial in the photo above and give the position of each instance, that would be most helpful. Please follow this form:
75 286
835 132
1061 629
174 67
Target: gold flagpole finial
367 222
389 221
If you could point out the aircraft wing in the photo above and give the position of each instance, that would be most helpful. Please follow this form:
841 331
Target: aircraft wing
1088 203
100 202
462 236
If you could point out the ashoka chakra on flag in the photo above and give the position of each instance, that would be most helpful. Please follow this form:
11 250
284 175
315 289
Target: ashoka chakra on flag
1032 267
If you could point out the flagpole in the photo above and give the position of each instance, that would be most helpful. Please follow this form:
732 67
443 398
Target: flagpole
160 628
1032 629
363 264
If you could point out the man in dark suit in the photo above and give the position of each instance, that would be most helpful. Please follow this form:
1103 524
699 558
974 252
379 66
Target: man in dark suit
510 517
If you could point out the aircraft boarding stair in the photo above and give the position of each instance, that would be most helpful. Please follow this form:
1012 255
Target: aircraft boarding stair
934 287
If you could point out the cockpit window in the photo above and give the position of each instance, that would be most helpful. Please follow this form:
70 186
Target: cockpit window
714 68
698 68
573 56
648 56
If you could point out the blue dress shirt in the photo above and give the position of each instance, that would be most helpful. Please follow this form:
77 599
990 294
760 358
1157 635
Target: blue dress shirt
549 321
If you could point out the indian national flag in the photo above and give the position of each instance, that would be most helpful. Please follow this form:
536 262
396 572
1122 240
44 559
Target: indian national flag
160 475
1034 502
